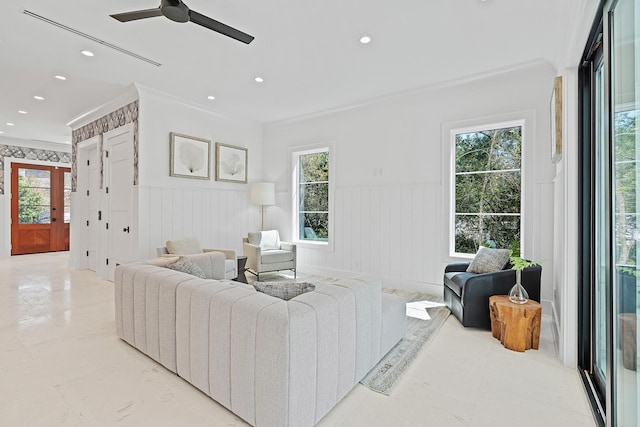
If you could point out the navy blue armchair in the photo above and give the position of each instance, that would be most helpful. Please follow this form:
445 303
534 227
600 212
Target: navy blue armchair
467 294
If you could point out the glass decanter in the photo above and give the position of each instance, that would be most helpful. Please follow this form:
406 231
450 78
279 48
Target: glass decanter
518 294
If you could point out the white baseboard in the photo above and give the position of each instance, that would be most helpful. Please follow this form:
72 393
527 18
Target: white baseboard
555 329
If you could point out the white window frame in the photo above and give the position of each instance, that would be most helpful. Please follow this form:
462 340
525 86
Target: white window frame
452 176
295 154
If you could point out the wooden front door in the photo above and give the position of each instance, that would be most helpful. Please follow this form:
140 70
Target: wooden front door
40 208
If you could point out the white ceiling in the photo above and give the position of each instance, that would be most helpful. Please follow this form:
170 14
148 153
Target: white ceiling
308 53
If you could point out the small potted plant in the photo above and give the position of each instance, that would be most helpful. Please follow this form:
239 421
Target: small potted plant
518 294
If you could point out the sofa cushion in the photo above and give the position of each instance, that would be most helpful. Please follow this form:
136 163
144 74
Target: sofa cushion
267 240
188 266
284 290
275 256
488 260
184 247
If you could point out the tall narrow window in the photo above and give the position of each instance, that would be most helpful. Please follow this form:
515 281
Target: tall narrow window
311 176
487 185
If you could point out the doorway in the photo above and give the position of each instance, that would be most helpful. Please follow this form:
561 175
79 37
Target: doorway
40 208
610 215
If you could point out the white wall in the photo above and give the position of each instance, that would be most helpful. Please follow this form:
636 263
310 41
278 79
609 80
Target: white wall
566 179
219 214
394 224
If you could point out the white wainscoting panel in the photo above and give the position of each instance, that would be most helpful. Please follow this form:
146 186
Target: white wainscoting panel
388 231
217 218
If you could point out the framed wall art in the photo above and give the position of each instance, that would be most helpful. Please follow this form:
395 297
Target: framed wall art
556 120
190 157
231 163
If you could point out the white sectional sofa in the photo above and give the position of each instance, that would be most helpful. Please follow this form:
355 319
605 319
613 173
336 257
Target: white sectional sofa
271 362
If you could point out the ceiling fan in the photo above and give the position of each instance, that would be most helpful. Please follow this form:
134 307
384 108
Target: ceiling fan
177 11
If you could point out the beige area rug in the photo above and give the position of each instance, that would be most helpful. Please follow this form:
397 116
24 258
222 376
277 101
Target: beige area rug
419 332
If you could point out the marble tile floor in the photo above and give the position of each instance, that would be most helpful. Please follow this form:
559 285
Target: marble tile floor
61 364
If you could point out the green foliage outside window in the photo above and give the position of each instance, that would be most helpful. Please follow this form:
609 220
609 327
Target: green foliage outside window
625 177
487 189
313 197
30 201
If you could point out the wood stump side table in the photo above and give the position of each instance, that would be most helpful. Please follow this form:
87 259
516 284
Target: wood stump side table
517 326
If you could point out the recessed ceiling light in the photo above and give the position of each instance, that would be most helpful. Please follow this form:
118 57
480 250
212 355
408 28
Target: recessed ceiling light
60 77
87 53
211 97
22 112
365 39
9 124
259 79
38 97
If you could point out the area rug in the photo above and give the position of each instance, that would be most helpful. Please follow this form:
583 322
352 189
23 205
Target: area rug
385 374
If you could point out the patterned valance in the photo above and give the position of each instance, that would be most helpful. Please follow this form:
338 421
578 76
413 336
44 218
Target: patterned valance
113 120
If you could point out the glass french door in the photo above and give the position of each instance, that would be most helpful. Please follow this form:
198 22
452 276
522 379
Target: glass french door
40 208
601 220
611 171
624 160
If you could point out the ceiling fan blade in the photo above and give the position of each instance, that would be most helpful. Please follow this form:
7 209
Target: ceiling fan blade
138 14
219 27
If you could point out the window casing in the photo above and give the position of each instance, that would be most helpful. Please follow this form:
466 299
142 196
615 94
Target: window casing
312 195
486 187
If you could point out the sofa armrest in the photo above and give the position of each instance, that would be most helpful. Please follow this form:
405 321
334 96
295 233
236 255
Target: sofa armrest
162 251
228 253
500 282
253 254
287 246
479 287
457 267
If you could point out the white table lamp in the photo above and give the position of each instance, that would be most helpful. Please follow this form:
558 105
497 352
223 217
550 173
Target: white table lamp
263 194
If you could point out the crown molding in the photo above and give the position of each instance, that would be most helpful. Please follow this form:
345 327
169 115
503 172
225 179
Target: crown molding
150 93
416 91
129 94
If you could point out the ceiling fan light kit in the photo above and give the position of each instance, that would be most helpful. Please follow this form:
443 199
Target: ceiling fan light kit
177 11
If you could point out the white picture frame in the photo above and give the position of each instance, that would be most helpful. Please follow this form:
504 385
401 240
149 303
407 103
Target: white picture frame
231 163
189 157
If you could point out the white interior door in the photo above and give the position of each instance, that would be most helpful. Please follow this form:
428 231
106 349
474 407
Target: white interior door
93 202
84 207
119 196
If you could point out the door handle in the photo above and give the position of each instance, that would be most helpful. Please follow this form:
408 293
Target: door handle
126 230
53 220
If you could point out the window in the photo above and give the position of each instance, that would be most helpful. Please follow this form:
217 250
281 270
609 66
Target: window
311 201
486 189
34 196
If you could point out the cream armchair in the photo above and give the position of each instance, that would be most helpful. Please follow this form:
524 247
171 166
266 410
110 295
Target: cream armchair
228 268
265 252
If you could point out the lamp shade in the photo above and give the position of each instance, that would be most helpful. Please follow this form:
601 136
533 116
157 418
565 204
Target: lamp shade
263 193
